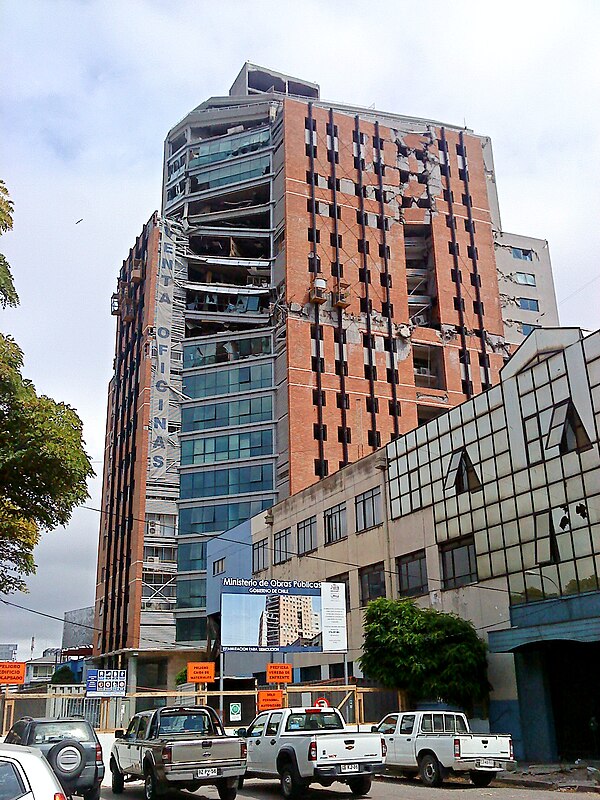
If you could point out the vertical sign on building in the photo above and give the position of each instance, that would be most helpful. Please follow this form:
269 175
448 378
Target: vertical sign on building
333 617
161 366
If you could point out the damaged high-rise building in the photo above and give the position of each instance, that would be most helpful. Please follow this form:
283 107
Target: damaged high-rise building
321 279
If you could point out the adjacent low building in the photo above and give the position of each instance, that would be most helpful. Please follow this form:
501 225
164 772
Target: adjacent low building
490 511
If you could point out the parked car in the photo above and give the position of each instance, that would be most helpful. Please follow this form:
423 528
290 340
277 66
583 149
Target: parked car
436 744
177 748
26 775
70 746
311 745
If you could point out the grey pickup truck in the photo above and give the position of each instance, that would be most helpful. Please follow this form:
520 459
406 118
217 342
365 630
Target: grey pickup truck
177 748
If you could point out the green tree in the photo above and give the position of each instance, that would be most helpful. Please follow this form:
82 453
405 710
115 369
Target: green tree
8 294
429 654
43 464
63 674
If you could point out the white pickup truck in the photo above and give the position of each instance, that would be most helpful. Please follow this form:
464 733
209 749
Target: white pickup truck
435 744
311 745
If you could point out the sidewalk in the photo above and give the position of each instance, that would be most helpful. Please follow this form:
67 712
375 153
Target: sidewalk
561 777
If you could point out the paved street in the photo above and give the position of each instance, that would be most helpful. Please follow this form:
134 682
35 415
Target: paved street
381 790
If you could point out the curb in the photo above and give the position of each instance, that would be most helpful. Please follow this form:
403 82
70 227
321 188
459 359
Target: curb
520 783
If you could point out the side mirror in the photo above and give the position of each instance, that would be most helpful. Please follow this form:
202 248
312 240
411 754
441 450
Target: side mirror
119 733
242 732
374 729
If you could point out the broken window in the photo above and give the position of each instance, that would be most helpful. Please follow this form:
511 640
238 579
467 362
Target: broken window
522 255
567 430
461 473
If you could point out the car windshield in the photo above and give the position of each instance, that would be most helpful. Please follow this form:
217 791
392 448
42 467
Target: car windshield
197 722
58 730
315 721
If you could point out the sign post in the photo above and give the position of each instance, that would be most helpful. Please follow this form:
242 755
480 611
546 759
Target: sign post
12 673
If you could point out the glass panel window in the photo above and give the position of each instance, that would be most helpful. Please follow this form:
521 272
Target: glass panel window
459 566
527 329
368 509
228 381
407 724
335 523
307 535
228 447
282 546
529 304
222 148
227 415
245 170
412 574
372 582
191 594
260 558
201 354
526 278
191 556
216 518
218 482
190 629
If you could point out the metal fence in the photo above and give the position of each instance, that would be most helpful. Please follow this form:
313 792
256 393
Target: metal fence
359 705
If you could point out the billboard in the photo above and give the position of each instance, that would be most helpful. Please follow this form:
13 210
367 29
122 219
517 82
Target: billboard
272 616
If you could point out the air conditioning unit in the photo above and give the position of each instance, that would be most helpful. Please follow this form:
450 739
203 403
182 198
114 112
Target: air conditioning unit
318 291
420 320
341 298
423 371
153 559
152 528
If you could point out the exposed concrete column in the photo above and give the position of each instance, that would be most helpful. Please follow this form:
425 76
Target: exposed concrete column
132 664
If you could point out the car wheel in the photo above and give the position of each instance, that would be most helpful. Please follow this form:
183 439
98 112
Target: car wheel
360 786
67 759
481 779
117 779
291 787
430 770
150 784
226 792
93 793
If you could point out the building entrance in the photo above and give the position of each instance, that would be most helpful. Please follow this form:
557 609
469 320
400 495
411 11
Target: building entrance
572 671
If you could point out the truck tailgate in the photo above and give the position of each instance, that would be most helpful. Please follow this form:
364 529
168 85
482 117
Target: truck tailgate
348 747
204 751
474 746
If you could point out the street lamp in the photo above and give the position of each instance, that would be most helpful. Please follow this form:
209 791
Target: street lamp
543 577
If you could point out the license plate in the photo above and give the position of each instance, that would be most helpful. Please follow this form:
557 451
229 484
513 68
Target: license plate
207 772
349 768
486 762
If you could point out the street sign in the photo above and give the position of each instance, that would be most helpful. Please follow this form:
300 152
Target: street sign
270 699
235 712
322 702
12 673
279 673
106 683
201 671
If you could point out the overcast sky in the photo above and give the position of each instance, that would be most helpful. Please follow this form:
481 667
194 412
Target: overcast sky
90 89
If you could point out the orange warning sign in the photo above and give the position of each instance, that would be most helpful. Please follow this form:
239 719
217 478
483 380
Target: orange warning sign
201 671
279 673
270 699
12 672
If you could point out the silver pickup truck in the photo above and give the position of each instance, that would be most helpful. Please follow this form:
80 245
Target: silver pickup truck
437 744
301 746
177 748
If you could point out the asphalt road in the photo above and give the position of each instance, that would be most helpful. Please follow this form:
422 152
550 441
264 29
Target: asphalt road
381 790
